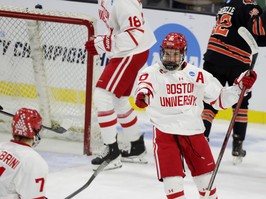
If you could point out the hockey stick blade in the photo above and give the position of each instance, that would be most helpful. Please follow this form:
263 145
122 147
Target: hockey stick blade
93 176
249 39
58 129
246 35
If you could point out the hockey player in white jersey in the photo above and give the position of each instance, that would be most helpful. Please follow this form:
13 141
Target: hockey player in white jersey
173 92
23 171
127 45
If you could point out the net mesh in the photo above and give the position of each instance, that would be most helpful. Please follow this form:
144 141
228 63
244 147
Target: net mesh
43 65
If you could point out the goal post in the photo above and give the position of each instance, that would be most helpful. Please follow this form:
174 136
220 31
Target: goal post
44 65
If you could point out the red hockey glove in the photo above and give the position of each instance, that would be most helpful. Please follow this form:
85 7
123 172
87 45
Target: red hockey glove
99 44
246 79
91 48
142 99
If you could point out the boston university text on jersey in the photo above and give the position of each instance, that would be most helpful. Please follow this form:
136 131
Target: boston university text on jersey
183 98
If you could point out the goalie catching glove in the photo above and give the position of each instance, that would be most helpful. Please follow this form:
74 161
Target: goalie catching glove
99 45
246 80
142 98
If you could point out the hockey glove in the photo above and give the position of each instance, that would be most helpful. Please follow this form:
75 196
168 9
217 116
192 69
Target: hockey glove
143 99
246 80
99 45
91 48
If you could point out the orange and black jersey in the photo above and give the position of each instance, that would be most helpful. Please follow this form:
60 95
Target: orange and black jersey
225 45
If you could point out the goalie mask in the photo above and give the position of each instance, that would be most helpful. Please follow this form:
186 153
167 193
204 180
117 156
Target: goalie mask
173 51
27 123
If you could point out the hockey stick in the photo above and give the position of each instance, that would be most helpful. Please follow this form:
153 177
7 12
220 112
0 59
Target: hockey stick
93 176
246 35
58 129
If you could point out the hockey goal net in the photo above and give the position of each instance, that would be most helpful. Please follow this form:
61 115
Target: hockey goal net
44 65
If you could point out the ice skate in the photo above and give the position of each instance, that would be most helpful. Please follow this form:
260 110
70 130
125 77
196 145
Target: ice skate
238 152
136 152
112 152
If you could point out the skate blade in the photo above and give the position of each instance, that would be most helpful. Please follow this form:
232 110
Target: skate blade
140 159
115 164
135 160
237 160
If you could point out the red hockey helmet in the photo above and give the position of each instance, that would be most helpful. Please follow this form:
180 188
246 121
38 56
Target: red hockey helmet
173 50
26 123
175 41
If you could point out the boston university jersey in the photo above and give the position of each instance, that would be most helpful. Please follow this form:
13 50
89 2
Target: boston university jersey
225 45
176 100
126 26
23 172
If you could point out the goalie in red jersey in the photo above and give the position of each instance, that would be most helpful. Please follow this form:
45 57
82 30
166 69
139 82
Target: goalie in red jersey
173 92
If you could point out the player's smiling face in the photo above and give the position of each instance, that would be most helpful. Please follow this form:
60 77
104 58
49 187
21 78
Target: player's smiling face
172 56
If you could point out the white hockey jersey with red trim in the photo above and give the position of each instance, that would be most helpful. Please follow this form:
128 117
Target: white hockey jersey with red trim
23 172
176 100
129 31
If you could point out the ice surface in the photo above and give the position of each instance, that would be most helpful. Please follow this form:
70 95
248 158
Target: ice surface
69 170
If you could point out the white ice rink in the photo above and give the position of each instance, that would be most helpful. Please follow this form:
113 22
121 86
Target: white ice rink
69 170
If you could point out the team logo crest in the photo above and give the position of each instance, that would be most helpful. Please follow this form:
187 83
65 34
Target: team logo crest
191 73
